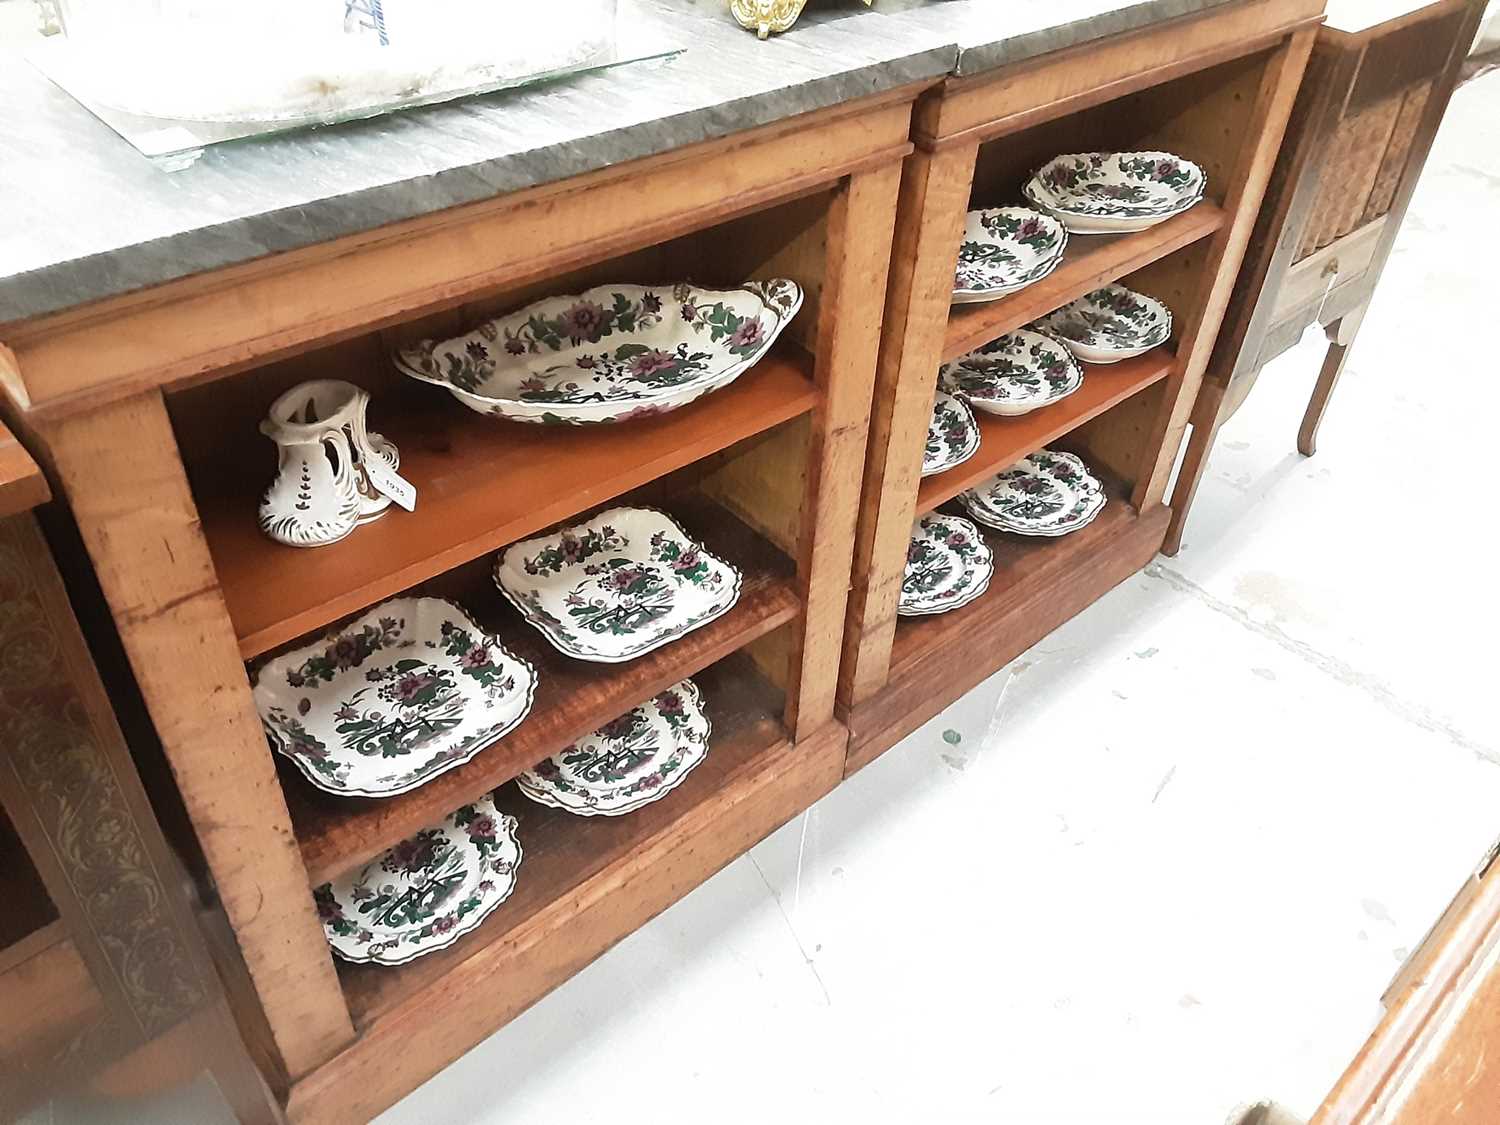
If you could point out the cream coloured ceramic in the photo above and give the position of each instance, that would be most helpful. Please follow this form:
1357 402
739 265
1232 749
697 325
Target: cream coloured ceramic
1047 494
1115 192
1110 324
952 435
1017 373
1005 249
948 564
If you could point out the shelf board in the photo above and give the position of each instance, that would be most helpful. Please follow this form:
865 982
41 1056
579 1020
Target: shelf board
482 483
1004 441
572 865
573 697
1037 585
1090 260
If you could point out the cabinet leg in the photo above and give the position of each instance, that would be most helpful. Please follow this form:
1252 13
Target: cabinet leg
1341 335
1206 421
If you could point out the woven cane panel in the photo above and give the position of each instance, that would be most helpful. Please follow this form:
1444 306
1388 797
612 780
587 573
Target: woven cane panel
1397 151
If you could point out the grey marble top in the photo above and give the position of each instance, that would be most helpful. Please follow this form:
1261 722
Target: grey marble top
83 216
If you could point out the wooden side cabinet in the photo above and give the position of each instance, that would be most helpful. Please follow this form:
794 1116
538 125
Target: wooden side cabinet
1370 104
1216 88
105 980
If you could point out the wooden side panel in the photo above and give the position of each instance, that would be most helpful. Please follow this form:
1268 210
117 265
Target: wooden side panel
22 485
933 200
120 470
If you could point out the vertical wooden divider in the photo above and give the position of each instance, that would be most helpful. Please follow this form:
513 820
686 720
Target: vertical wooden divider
857 258
124 479
1252 170
933 202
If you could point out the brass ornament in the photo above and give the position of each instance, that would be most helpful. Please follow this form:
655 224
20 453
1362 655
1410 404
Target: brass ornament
766 16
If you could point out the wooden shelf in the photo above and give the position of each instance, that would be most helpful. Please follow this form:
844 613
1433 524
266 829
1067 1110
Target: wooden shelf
1038 584
481 483
573 697
1004 441
1091 260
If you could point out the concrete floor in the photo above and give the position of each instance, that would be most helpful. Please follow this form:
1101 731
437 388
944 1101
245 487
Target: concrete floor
1162 864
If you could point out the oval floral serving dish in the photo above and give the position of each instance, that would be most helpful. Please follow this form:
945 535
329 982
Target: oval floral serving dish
948 564
426 892
1017 373
608 354
625 582
952 435
1110 324
629 762
1100 192
1047 494
405 692
1005 249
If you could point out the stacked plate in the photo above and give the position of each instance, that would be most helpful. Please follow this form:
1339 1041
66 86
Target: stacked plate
629 762
1110 324
1114 192
1021 371
609 354
1048 494
1005 249
948 564
952 435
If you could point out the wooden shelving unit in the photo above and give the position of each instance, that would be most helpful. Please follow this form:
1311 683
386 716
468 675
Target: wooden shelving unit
1216 88
163 468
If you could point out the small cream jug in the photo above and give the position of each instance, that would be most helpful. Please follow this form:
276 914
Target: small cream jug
322 490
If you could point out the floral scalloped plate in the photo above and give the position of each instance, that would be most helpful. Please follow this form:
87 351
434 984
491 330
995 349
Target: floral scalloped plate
1005 249
1017 373
609 354
631 761
1110 324
948 564
627 581
952 435
405 692
1047 494
426 892
1108 192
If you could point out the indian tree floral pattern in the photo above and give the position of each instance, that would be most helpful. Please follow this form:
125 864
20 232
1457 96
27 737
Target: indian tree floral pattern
627 581
1099 191
612 353
1005 249
1017 373
948 564
952 435
409 690
1110 324
427 891
629 762
1050 493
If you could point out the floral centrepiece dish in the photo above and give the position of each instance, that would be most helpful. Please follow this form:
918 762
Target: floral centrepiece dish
952 435
1048 494
629 762
948 564
609 354
1017 373
426 892
625 582
405 692
1110 324
1005 249
1102 192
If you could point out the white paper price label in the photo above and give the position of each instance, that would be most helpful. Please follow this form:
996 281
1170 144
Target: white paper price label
388 482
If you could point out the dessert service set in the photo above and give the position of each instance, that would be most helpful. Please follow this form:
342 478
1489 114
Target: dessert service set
1003 250
414 687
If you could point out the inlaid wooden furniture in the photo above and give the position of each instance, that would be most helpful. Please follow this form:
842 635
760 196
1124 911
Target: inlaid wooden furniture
1370 104
105 980
144 410
1214 87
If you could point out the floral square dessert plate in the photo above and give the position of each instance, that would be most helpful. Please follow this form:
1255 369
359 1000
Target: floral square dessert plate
1105 192
611 589
629 762
948 564
608 354
952 435
426 892
405 692
1047 494
1021 371
1110 324
1005 249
